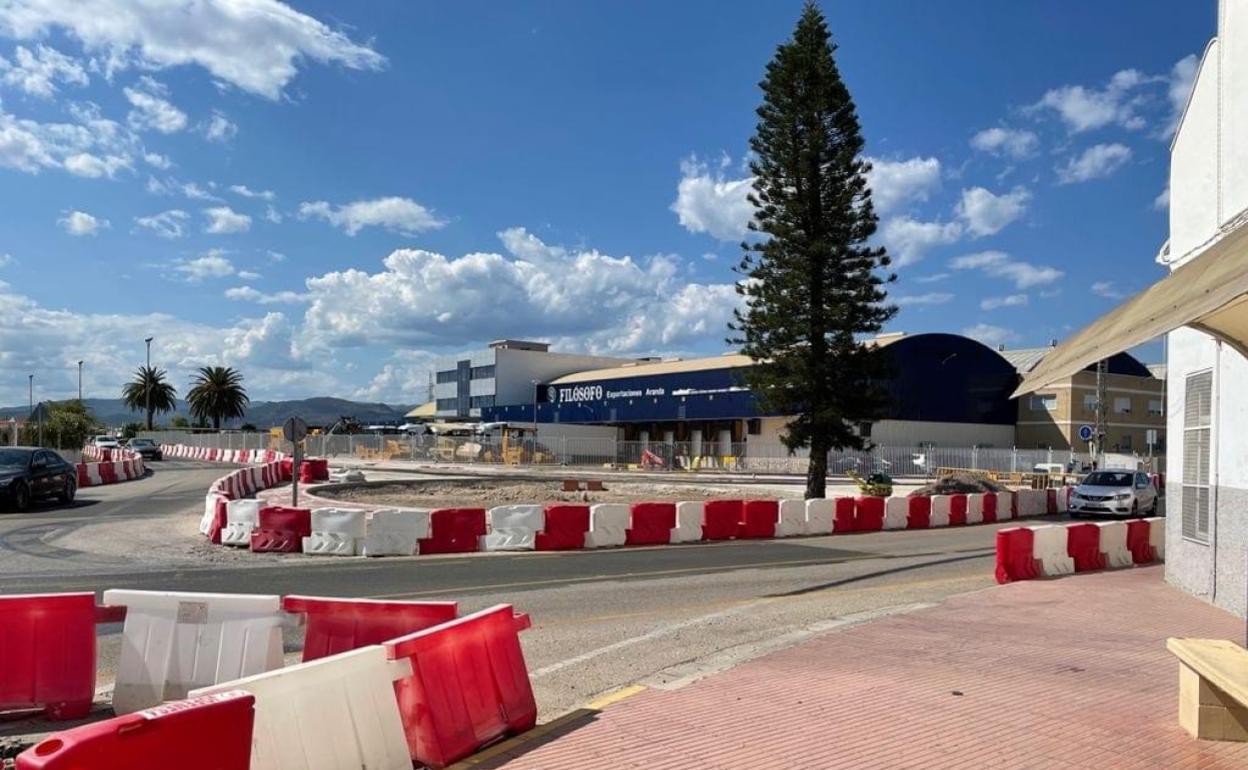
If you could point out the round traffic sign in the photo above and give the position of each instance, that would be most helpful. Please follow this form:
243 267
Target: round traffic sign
1085 432
294 429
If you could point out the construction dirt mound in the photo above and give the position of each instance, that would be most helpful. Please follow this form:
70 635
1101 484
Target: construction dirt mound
959 484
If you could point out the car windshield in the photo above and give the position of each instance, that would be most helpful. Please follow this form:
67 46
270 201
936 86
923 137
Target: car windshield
1108 479
17 457
141 442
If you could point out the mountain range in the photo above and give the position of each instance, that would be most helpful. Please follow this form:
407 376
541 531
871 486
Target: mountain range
322 410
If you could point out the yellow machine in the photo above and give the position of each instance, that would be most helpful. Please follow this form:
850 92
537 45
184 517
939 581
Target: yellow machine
515 445
876 485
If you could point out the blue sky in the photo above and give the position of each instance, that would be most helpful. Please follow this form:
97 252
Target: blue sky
328 195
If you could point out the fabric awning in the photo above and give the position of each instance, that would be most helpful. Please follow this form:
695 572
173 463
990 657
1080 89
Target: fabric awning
1209 293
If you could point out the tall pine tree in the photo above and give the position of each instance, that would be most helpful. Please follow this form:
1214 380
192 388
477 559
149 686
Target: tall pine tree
813 286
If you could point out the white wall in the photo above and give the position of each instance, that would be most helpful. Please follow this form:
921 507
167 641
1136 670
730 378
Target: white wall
1233 150
1194 165
515 371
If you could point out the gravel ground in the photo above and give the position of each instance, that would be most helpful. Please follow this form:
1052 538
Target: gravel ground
489 493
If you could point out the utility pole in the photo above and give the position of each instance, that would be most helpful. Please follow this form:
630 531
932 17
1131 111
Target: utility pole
31 414
80 382
1101 430
147 382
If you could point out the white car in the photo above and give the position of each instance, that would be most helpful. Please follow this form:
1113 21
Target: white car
1118 493
105 442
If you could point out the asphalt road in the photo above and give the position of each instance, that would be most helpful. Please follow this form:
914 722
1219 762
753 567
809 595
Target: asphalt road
602 619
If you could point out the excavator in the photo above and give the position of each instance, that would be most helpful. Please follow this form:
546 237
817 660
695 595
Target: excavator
512 444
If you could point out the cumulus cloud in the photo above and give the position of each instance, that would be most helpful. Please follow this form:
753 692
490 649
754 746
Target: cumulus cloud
401 215
79 223
1179 85
255 45
156 160
895 182
709 203
210 265
1010 300
223 220
93 166
152 111
37 71
998 264
1084 109
908 239
249 294
402 382
916 300
1096 162
990 335
247 192
933 278
219 128
91 145
1162 201
986 213
1011 143
166 224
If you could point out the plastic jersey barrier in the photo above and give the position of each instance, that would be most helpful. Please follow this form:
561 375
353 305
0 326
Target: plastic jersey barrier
335 713
469 685
820 515
650 523
1015 555
214 518
688 527
608 525
1157 537
47 652
957 510
566 526
791 518
974 509
513 527
172 642
281 529
1138 541
989 508
843 519
1050 500
394 532
919 514
896 511
1051 550
1083 545
758 519
169 736
868 513
454 530
720 519
338 625
241 518
1113 539
939 511
336 531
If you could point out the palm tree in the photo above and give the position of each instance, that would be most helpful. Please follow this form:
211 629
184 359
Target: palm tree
217 394
148 392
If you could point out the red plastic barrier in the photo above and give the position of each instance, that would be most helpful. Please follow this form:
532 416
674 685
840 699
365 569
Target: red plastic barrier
919 515
843 517
212 732
565 528
650 523
957 510
990 508
1015 546
314 469
721 519
868 513
758 519
108 473
454 530
47 652
84 479
1050 500
288 464
218 520
1083 544
469 685
339 625
281 529
1138 543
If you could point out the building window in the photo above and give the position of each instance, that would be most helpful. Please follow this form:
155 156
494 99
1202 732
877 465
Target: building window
1126 442
1122 405
445 377
1197 427
1154 407
483 372
447 404
1044 402
480 402
1089 402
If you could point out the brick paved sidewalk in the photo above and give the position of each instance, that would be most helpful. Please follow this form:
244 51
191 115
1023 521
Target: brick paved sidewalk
1068 673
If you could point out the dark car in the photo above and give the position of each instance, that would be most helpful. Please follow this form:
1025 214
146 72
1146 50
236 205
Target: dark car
149 449
29 473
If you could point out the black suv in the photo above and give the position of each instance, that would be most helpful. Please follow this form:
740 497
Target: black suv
29 473
149 449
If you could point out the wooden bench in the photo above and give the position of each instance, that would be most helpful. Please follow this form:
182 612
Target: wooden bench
1213 688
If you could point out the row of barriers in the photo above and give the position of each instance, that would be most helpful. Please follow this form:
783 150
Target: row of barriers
380 684
108 466
1028 553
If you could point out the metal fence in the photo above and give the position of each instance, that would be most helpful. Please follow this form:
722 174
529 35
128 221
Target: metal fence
752 457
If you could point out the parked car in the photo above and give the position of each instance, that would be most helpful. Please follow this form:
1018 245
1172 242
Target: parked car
1119 493
106 442
149 449
30 473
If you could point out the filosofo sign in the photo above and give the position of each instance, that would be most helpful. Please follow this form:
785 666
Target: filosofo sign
581 393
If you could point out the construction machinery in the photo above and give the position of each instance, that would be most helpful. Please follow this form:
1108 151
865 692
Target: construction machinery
877 484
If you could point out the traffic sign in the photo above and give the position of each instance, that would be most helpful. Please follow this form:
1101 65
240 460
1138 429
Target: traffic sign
1086 432
294 429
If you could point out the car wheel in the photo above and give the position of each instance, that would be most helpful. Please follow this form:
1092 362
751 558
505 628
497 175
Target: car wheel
68 491
19 494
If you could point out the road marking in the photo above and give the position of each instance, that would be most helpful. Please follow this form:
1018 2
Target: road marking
615 696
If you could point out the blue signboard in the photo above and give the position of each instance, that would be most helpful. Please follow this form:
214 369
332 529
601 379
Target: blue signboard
1085 432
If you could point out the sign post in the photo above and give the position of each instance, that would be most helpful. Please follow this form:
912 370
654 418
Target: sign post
295 430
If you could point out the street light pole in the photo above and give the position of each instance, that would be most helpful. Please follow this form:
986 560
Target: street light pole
32 396
80 382
147 382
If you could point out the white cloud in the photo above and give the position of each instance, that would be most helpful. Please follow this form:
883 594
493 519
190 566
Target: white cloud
986 213
252 44
1010 300
79 223
6 259
401 215
218 128
933 278
275 256
1012 143
909 239
37 72
1108 290
166 224
93 167
249 294
249 275
1179 85
399 382
1162 201
94 143
998 264
152 111
709 203
272 215
1084 109
1096 162
914 300
894 182
992 336
247 192
209 265
223 220
156 160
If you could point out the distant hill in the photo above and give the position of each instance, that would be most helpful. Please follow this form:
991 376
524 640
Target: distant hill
263 414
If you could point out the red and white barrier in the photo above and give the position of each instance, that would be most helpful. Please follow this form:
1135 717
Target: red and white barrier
1026 553
896 512
109 466
688 527
608 525
336 532
791 518
241 519
513 527
394 532
820 513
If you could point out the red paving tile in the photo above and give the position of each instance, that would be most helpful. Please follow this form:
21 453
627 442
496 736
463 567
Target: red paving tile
1070 673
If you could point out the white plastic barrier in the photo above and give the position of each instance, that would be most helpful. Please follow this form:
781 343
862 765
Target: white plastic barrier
394 532
896 512
1063 499
608 523
1114 543
1004 500
210 513
513 527
336 531
974 509
1032 502
241 518
791 520
173 642
1049 546
940 510
688 523
820 515
335 713
1157 537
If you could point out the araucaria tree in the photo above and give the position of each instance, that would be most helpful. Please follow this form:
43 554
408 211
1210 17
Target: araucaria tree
813 285
217 394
